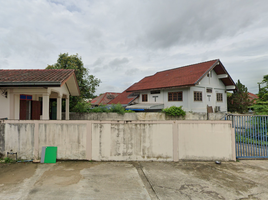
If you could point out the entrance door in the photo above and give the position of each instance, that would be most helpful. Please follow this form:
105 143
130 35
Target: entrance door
36 108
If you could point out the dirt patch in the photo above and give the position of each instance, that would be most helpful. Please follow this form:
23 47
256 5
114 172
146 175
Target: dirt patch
64 173
14 173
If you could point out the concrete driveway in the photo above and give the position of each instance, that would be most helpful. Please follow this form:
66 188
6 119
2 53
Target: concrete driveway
246 179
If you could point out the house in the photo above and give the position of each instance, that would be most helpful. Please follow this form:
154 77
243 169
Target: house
36 94
195 87
104 99
125 98
252 97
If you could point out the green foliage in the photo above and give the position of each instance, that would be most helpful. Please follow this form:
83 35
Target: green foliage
261 106
174 111
87 83
117 108
239 101
99 109
9 160
82 107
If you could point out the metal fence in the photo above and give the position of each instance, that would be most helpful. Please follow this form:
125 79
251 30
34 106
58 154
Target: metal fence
250 135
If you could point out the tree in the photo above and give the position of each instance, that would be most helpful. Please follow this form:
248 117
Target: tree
87 83
239 101
261 106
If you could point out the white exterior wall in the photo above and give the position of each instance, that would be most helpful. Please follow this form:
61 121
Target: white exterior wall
4 106
185 99
217 87
188 103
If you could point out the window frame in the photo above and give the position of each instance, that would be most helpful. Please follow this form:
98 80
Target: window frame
198 96
173 95
219 97
144 98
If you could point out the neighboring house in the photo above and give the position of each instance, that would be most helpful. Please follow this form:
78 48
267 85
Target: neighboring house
125 98
104 99
36 94
252 97
195 87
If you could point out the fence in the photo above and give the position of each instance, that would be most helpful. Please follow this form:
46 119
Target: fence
251 135
122 140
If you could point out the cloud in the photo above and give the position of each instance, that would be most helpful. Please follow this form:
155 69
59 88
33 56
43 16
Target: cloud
118 62
124 41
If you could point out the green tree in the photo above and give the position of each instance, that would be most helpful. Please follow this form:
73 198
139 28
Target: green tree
239 101
87 83
261 106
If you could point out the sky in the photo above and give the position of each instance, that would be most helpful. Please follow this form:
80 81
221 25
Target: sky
122 41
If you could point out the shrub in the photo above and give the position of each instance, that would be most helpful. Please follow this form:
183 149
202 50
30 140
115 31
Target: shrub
118 108
174 111
99 109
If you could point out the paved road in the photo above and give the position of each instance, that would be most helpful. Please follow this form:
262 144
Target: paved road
247 179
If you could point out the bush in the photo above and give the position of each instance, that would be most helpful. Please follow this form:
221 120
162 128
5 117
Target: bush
99 109
174 111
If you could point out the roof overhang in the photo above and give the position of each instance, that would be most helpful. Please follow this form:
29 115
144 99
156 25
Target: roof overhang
30 84
72 85
222 74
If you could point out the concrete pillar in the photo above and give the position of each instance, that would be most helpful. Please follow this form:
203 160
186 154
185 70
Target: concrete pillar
11 105
59 107
16 106
67 117
45 114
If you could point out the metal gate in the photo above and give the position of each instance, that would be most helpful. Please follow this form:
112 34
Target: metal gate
250 135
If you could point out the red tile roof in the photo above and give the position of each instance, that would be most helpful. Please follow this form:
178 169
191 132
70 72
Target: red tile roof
182 76
253 97
124 97
104 98
35 75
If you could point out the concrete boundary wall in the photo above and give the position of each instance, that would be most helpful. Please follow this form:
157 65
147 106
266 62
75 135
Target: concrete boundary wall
144 116
121 140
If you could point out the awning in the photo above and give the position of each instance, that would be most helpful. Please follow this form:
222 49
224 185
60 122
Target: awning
145 106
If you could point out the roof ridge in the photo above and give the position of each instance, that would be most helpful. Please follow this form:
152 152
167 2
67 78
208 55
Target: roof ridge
187 65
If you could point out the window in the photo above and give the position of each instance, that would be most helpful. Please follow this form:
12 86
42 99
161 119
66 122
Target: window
25 97
219 97
144 98
209 90
175 96
197 96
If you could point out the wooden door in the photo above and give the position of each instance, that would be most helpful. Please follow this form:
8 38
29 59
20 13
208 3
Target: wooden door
23 109
36 105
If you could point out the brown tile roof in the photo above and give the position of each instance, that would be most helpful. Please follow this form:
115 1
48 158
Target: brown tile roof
124 98
35 75
104 98
182 76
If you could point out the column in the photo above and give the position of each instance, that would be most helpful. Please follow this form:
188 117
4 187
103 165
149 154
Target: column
67 109
45 115
59 107
16 98
11 104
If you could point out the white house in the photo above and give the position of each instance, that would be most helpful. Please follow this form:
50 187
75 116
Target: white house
36 94
198 88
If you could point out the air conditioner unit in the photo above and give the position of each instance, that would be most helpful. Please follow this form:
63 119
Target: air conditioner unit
217 108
